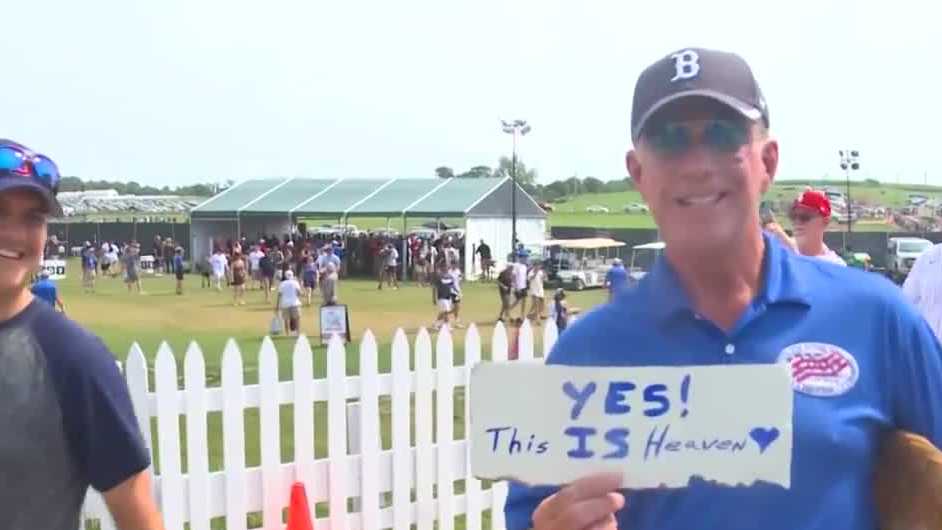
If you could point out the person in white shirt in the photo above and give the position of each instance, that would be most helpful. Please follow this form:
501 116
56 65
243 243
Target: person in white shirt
923 287
289 302
455 275
810 215
537 295
452 256
520 286
219 264
390 257
254 258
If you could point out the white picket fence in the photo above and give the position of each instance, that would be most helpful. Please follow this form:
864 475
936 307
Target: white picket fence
421 465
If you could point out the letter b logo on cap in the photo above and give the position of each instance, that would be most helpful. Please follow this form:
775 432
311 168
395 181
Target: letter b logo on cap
687 64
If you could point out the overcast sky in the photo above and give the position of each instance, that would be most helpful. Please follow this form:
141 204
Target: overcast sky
182 91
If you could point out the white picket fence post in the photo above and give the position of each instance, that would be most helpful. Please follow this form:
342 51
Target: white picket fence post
427 465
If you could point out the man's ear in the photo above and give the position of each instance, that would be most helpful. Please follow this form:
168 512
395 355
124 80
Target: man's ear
769 163
634 166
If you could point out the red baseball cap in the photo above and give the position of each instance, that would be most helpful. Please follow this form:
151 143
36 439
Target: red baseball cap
814 200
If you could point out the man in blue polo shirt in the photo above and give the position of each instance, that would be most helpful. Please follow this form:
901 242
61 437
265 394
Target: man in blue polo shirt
725 293
616 278
46 290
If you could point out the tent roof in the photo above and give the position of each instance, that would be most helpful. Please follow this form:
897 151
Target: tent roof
487 197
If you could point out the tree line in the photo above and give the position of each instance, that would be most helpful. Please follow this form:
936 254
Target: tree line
526 178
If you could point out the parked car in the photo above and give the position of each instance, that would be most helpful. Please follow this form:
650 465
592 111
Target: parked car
901 253
595 208
636 208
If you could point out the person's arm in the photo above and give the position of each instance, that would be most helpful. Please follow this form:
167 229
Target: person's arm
776 230
912 285
101 427
132 506
60 304
278 301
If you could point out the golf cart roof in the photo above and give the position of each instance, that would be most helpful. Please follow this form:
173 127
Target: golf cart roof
587 243
910 239
658 245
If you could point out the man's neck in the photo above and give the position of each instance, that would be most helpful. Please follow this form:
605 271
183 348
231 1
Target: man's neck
811 248
14 303
721 285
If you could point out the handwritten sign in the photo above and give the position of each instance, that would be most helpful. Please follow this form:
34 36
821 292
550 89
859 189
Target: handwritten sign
147 264
550 424
55 268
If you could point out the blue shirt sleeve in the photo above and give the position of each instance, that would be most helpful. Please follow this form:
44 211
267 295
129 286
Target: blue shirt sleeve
98 416
914 366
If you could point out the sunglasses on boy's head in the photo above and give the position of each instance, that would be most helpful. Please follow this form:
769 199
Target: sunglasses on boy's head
18 162
676 137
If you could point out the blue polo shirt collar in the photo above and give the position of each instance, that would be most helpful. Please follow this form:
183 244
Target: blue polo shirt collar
781 284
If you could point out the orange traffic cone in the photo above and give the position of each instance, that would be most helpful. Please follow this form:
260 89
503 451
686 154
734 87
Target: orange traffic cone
299 513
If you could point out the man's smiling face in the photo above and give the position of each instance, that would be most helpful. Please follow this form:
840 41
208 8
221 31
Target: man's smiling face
22 238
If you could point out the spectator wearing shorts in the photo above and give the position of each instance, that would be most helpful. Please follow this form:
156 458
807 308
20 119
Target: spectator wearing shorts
255 257
455 274
390 260
219 265
310 277
268 274
444 296
239 275
505 289
520 286
329 283
484 251
289 303
89 268
132 267
537 277
104 262
178 268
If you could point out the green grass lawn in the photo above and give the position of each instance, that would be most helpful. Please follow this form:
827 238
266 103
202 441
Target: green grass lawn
209 318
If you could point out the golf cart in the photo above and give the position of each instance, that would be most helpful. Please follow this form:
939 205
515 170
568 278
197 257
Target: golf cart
642 258
579 263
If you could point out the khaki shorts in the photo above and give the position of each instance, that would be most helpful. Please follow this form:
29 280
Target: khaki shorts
292 317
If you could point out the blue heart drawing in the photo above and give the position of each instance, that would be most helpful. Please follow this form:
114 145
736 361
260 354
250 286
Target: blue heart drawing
764 437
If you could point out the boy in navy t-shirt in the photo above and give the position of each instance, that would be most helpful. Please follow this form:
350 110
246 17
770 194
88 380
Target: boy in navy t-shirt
67 417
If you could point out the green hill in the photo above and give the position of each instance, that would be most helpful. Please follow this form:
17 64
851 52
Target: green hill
572 210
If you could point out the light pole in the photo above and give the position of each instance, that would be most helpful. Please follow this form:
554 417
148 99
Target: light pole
514 128
849 162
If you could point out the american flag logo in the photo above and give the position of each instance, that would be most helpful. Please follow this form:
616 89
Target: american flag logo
829 364
820 369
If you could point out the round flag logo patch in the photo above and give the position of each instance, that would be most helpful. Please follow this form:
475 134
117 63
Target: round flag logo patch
820 369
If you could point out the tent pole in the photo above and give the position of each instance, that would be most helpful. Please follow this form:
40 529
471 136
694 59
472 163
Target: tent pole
403 244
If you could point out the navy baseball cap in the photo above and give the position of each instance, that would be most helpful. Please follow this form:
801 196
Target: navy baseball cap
718 75
22 168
